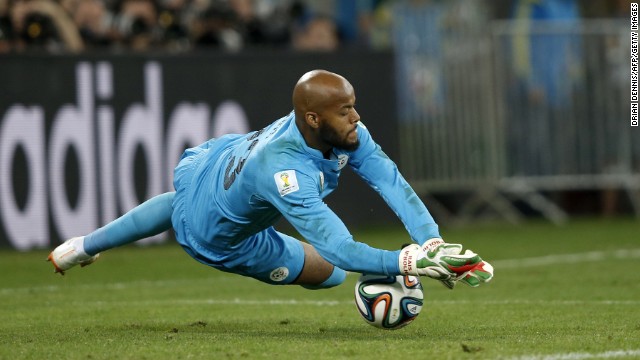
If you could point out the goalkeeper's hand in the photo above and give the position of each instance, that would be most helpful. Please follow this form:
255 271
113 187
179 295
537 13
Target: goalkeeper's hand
481 273
445 262
470 274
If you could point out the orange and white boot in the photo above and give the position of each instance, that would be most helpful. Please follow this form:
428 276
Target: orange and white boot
69 254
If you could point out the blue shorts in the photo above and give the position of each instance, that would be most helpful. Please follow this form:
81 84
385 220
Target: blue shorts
269 256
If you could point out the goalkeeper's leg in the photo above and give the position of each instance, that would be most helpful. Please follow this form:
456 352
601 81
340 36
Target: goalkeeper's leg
269 256
317 272
150 218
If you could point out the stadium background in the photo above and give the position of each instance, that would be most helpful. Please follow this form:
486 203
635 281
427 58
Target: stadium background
486 117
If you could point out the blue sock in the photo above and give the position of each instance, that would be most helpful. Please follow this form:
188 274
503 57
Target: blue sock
336 278
147 219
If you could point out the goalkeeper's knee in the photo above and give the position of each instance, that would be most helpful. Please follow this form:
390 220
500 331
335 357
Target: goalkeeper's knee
336 278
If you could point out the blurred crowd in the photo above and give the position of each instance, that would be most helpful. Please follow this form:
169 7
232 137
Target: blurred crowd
60 26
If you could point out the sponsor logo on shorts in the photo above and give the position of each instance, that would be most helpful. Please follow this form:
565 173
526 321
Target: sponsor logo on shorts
279 274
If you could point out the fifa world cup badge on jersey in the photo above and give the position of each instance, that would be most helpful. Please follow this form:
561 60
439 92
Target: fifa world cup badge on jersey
286 182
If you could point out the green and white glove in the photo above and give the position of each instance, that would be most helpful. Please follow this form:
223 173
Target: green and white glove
471 273
414 261
444 262
437 260
481 273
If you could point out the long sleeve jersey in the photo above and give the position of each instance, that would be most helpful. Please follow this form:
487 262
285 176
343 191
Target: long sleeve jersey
243 184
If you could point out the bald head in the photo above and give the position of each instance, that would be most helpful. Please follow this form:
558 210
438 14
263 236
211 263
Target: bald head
324 105
318 89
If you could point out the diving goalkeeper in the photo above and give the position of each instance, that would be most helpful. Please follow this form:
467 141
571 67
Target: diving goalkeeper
230 191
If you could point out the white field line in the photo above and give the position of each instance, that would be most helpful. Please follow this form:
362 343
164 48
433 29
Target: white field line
218 302
324 303
498 264
566 258
580 356
111 286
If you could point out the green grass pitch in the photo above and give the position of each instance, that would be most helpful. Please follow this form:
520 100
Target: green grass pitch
569 292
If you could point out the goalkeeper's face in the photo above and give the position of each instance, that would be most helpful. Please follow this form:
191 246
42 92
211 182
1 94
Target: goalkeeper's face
324 103
339 122
346 139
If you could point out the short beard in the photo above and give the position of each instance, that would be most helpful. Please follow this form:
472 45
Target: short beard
329 136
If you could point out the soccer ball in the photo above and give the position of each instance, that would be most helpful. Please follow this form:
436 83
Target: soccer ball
389 302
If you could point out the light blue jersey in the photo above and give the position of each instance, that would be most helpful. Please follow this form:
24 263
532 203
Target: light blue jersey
231 190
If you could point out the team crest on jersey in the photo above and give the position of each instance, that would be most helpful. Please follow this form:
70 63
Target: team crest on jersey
286 182
342 161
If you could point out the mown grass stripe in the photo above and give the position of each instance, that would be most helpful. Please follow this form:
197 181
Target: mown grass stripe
580 356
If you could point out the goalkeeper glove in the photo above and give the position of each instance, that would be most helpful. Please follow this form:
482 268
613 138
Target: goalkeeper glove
445 262
483 272
437 260
470 274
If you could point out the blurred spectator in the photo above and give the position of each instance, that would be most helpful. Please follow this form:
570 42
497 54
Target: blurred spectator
318 34
93 21
266 26
175 35
6 31
376 25
216 28
546 73
180 25
174 25
601 9
136 24
43 24
359 23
